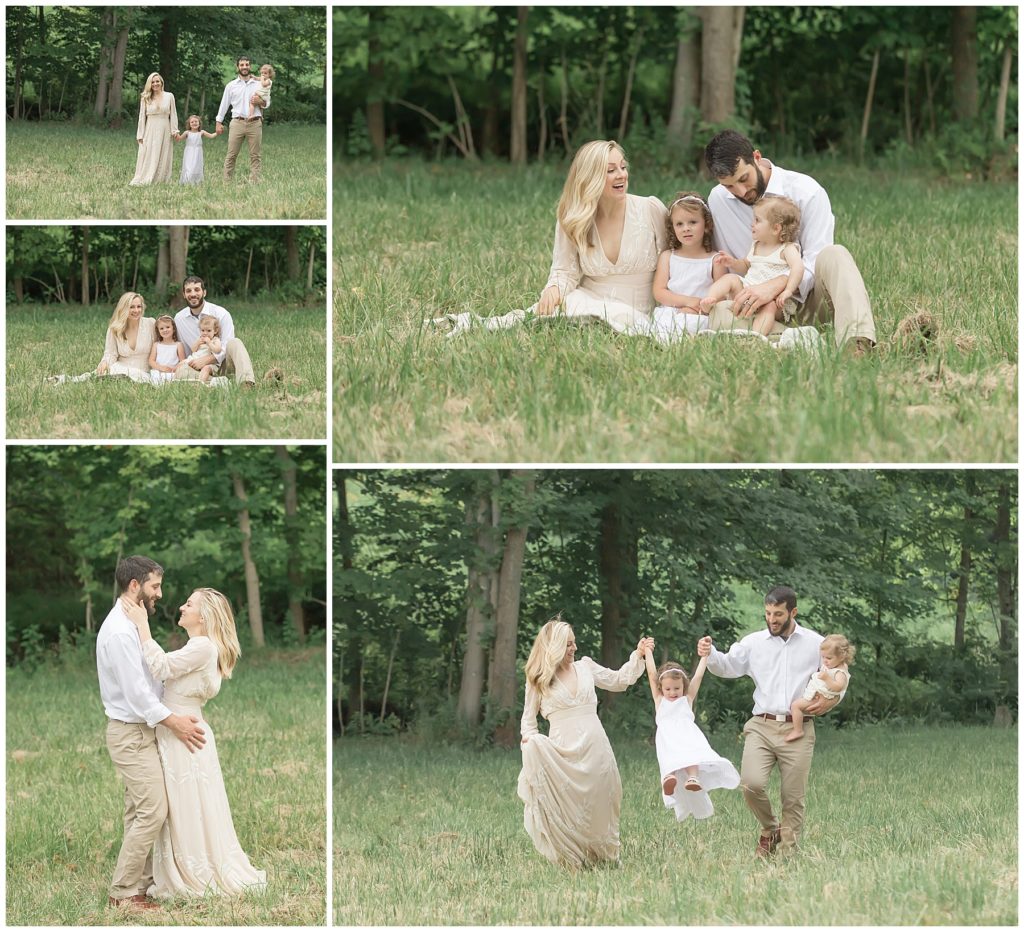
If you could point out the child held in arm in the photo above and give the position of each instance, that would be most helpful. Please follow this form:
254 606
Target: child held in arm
830 682
208 344
773 252
689 766
266 79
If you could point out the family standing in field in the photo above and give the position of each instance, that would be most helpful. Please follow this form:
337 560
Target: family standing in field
755 258
179 839
570 782
247 97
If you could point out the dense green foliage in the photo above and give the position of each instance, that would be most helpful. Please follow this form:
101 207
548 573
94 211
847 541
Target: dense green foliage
875 555
73 511
53 56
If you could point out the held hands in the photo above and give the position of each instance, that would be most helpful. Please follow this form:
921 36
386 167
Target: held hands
704 646
645 646
220 128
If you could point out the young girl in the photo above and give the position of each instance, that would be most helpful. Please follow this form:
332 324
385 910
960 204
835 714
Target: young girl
167 353
208 344
266 82
773 252
192 160
686 270
836 657
682 748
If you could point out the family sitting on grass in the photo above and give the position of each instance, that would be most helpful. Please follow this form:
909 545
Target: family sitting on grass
669 273
570 781
198 344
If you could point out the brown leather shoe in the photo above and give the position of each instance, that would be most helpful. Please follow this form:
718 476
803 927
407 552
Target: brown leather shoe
138 901
766 844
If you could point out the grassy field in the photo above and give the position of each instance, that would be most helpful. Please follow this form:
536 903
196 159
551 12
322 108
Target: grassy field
45 340
415 241
64 800
58 171
904 827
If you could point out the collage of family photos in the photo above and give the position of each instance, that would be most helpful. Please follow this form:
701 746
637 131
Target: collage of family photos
460 459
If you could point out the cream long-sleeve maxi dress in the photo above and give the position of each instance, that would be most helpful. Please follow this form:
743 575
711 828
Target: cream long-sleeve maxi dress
570 781
158 120
197 851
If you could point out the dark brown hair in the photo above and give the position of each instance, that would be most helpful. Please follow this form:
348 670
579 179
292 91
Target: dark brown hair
688 200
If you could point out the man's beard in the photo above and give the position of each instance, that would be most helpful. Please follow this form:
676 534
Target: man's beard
761 186
149 605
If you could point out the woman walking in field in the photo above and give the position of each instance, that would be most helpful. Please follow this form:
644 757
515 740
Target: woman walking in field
158 126
607 244
197 851
570 781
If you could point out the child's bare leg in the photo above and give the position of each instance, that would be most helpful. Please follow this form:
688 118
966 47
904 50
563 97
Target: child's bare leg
764 320
692 783
728 286
205 373
797 711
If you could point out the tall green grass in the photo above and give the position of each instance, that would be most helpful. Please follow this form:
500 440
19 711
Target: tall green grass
50 339
416 241
904 827
65 802
62 171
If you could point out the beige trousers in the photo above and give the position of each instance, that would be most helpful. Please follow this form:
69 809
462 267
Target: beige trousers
132 748
764 747
252 133
236 360
838 297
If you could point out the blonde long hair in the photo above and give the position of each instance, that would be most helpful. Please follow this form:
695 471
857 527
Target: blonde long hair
215 610
119 319
147 91
547 653
577 207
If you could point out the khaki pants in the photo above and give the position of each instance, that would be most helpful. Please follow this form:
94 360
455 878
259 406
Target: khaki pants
838 296
236 360
132 748
252 132
764 747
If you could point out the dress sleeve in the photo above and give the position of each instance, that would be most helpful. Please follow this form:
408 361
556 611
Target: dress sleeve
565 264
174 116
109 348
617 681
528 723
658 213
193 656
140 133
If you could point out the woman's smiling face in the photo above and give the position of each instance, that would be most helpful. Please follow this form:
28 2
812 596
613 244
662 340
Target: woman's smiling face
616 180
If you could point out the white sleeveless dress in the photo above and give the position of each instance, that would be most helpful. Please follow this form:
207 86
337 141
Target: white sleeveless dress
680 743
166 355
192 160
685 276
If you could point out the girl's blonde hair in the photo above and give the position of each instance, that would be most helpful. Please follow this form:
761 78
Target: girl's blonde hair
784 212
672 669
838 645
270 70
119 319
216 323
577 207
547 653
692 201
174 326
147 91
219 621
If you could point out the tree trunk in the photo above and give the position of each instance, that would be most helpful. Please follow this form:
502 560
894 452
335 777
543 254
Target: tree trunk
517 138
345 553
617 566
292 535
563 110
685 90
114 99
964 43
542 117
163 262
630 75
720 42
1004 90
869 100
291 245
106 57
387 679
248 274
963 581
376 74
1006 577
252 578
178 254
309 267
168 48
907 125
85 266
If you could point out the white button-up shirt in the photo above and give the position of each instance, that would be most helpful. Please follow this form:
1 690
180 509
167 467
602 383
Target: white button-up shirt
733 218
130 693
237 95
779 667
188 327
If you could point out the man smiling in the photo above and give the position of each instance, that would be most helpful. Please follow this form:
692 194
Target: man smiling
233 357
246 119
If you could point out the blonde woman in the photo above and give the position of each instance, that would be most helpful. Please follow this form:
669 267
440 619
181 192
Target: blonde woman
607 243
197 851
129 340
158 125
570 781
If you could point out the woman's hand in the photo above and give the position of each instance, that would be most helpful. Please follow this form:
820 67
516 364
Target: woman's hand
103 368
645 644
704 646
549 300
136 613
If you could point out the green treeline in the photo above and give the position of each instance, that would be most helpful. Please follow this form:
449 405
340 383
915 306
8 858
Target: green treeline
79 264
442 579
936 84
90 63
248 521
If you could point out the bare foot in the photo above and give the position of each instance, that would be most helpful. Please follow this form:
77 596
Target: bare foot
668 786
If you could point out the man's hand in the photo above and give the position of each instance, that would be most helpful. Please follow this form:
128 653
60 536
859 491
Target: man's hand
704 646
819 705
198 364
186 729
220 128
752 298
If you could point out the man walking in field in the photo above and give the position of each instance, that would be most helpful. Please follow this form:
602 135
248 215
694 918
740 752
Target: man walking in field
246 119
780 661
132 702
832 288
233 357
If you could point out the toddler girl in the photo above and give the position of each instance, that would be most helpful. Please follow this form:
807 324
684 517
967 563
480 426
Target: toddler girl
208 344
167 353
773 252
831 682
192 160
686 270
266 83
682 748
